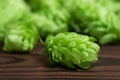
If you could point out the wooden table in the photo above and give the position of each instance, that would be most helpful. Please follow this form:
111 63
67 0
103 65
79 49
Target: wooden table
36 66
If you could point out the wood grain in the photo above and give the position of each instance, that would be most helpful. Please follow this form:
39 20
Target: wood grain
35 65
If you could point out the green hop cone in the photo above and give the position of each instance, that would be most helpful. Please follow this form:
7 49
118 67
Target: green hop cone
22 38
92 18
10 10
37 5
51 17
113 5
47 26
71 50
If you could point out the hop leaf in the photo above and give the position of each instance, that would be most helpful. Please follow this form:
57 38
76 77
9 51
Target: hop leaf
71 50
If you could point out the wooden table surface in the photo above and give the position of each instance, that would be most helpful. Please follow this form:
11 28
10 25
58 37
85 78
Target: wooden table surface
36 66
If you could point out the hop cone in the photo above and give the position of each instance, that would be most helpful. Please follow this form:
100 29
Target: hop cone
71 50
47 26
90 17
51 17
10 10
22 38
112 5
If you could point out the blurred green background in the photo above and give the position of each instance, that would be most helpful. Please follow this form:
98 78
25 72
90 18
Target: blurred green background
24 22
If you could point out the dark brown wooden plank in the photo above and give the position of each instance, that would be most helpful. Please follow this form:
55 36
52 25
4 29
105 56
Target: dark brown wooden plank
35 65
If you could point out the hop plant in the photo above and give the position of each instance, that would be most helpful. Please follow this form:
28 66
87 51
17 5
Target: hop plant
22 37
71 50
47 26
37 5
91 18
112 5
10 10
51 17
